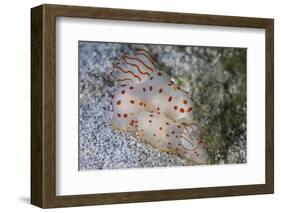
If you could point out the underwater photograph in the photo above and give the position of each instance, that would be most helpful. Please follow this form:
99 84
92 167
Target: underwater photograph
159 105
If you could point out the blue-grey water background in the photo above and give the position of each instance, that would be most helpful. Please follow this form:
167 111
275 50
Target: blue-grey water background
217 77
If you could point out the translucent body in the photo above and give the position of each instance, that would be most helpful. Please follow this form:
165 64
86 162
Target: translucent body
151 105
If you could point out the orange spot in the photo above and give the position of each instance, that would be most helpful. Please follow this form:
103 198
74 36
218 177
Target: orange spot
132 101
170 98
125 115
175 107
181 110
161 90
189 109
185 101
118 102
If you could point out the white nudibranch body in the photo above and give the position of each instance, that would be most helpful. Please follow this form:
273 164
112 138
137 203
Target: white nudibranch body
151 105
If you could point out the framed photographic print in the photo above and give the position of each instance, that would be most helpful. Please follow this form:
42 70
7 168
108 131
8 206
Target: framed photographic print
135 106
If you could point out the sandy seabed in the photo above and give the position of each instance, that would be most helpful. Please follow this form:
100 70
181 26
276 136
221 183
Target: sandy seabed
102 147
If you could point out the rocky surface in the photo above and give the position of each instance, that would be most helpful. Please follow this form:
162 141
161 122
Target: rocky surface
217 77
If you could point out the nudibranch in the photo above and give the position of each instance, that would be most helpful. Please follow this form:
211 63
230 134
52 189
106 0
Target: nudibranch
152 106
